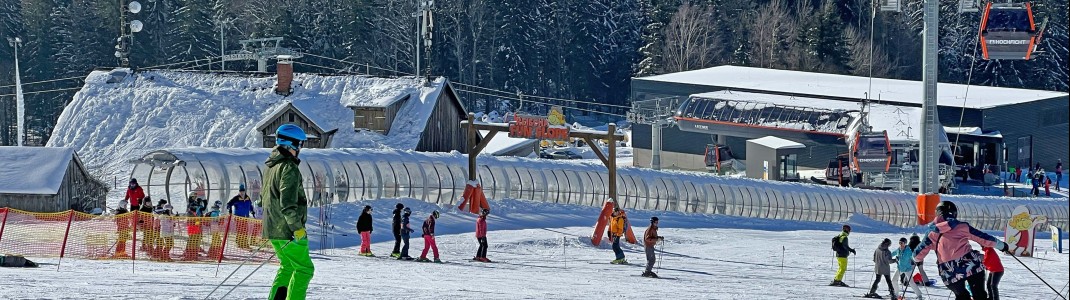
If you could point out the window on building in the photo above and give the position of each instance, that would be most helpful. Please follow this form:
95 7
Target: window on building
292 117
1054 117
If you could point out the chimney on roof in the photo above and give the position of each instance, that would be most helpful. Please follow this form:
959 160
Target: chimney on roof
285 70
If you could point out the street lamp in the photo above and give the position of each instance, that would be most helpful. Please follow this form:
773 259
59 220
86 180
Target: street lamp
19 101
126 30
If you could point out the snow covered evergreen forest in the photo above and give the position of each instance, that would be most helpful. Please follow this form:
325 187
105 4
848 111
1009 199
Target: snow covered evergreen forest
575 49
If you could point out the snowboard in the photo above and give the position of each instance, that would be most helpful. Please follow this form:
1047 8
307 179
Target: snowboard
603 221
629 235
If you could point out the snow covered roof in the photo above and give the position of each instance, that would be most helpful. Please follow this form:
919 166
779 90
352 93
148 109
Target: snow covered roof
851 87
901 122
33 170
280 110
773 142
502 143
111 123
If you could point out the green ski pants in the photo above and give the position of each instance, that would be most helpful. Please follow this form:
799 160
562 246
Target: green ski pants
295 270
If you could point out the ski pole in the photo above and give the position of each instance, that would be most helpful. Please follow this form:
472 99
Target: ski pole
247 258
659 254
1038 277
254 270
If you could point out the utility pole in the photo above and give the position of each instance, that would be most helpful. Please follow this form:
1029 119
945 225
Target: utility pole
19 100
930 160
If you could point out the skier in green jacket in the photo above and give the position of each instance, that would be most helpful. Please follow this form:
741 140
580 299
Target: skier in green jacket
285 207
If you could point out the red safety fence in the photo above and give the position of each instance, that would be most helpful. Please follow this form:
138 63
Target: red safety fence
134 235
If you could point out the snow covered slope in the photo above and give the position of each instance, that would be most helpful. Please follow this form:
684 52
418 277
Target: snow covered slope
541 253
111 123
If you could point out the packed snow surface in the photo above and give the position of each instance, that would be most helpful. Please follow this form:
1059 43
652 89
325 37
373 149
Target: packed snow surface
542 251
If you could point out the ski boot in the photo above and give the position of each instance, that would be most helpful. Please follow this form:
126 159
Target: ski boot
437 261
650 275
484 259
395 255
121 255
872 295
619 262
423 259
409 258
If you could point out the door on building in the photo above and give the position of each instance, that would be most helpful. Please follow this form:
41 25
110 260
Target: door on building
1025 151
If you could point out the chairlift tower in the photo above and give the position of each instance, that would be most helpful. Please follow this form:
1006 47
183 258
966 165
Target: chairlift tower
658 114
261 50
929 159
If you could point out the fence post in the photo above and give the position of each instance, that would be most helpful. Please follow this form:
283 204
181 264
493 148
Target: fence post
133 245
223 247
3 223
70 218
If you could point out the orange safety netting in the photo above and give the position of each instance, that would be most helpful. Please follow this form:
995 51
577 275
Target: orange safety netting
134 235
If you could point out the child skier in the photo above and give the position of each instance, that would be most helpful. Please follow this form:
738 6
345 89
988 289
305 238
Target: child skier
904 270
995 272
215 225
651 239
122 224
958 263
396 229
481 236
405 231
914 243
881 259
429 238
166 239
843 249
364 227
616 231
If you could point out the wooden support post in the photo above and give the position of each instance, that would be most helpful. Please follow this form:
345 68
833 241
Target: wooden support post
612 164
472 148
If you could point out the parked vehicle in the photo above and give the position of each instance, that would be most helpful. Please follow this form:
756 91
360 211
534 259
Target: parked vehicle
559 154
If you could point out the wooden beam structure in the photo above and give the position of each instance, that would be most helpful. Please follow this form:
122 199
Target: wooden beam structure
588 136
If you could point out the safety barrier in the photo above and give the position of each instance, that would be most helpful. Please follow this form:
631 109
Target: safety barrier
134 235
344 175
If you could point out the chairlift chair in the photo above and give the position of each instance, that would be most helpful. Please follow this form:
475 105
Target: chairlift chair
1009 31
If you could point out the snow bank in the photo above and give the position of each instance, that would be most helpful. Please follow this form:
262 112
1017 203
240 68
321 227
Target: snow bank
111 123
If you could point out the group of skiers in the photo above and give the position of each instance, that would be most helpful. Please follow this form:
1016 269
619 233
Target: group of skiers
402 231
961 268
158 230
1039 178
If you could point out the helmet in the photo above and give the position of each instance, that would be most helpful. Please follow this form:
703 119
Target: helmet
399 206
133 180
193 195
291 136
217 203
653 219
407 211
846 228
434 214
947 209
241 187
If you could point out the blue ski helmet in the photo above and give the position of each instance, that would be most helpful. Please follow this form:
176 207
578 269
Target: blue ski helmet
241 187
291 136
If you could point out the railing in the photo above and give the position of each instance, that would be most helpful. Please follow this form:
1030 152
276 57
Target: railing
344 175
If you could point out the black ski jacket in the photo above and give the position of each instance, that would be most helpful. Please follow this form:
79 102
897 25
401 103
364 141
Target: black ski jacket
397 222
364 223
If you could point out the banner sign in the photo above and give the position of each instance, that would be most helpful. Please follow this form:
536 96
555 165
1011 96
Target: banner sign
1021 230
533 127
